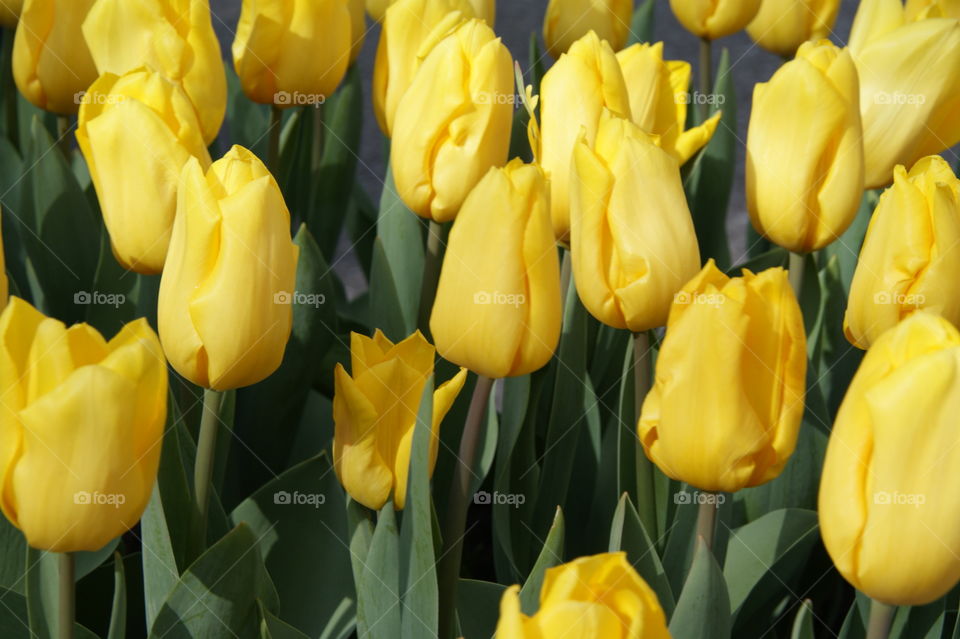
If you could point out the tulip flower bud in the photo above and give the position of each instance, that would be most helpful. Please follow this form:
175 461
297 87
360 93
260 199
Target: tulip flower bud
910 258
501 263
659 95
781 26
632 237
83 421
908 59
4 282
375 413
10 13
137 188
804 151
52 65
484 9
453 124
567 21
889 507
358 27
174 37
224 309
713 19
573 95
725 408
598 596
293 53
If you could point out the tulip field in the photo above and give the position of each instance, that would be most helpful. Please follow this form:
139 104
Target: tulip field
516 385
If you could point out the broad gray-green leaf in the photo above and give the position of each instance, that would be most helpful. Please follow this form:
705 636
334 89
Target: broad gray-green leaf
550 555
703 609
160 572
803 622
478 607
378 584
627 533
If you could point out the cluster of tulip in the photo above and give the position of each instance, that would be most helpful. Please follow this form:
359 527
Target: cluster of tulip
542 246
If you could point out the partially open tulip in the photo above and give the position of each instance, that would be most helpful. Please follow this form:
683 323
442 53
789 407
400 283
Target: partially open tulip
224 309
725 408
52 65
910 258
889 505
81 425
908 58
588 598
454 122
573 95
136 176
174 37
659 96
632 238
375 412
804 150
10 12
567 21
293 53
781 26
497 310
485 9
712 19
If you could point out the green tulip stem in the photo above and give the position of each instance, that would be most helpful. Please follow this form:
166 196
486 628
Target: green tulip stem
316 157
273 150
566 272
457 505
433 260
881 615
646 486
706 80
707 521
63 135
67 596
203 468
795 272
641 369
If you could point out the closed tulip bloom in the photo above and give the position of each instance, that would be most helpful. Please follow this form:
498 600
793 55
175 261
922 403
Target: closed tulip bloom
908 58
175 37
725 408
224 313
590 597
567 21
632 237
910 258
136 176
889 507
485 9
781 26
10 12
497 310
712 19
4 282
51 61
573 95
375 410
453 124
292 52
804 151
358 27
659 95
81 425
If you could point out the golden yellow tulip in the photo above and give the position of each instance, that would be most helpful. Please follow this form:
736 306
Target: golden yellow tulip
82 423
712 19
358 27
910 258
454 122
587 598
497 309
375 412
4 282
10 12
889 507
136 176
567 21
781 26
224 309
805 161
725 408
485 9
52 65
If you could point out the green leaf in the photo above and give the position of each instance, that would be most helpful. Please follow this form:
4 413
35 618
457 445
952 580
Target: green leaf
776 256
537 67
803 623
118 612
247 121
41 577
13 547
378 583
920 622
550 555
853 625
160 572
14 620
847 247
478 608
628 534
489 433
703 609
272 627
837 359
641 27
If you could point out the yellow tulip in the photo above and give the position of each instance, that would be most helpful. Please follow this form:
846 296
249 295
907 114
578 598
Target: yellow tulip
81 425
725 408
4 282
590 597
51 62
910 258
10 13
804 151
454 122
485 9
375 413
573 95
781 26
136 175
632 238
293 53
659 95
497 310
175 37
889 507
712 19
224 309
567 21
358 28
908 58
